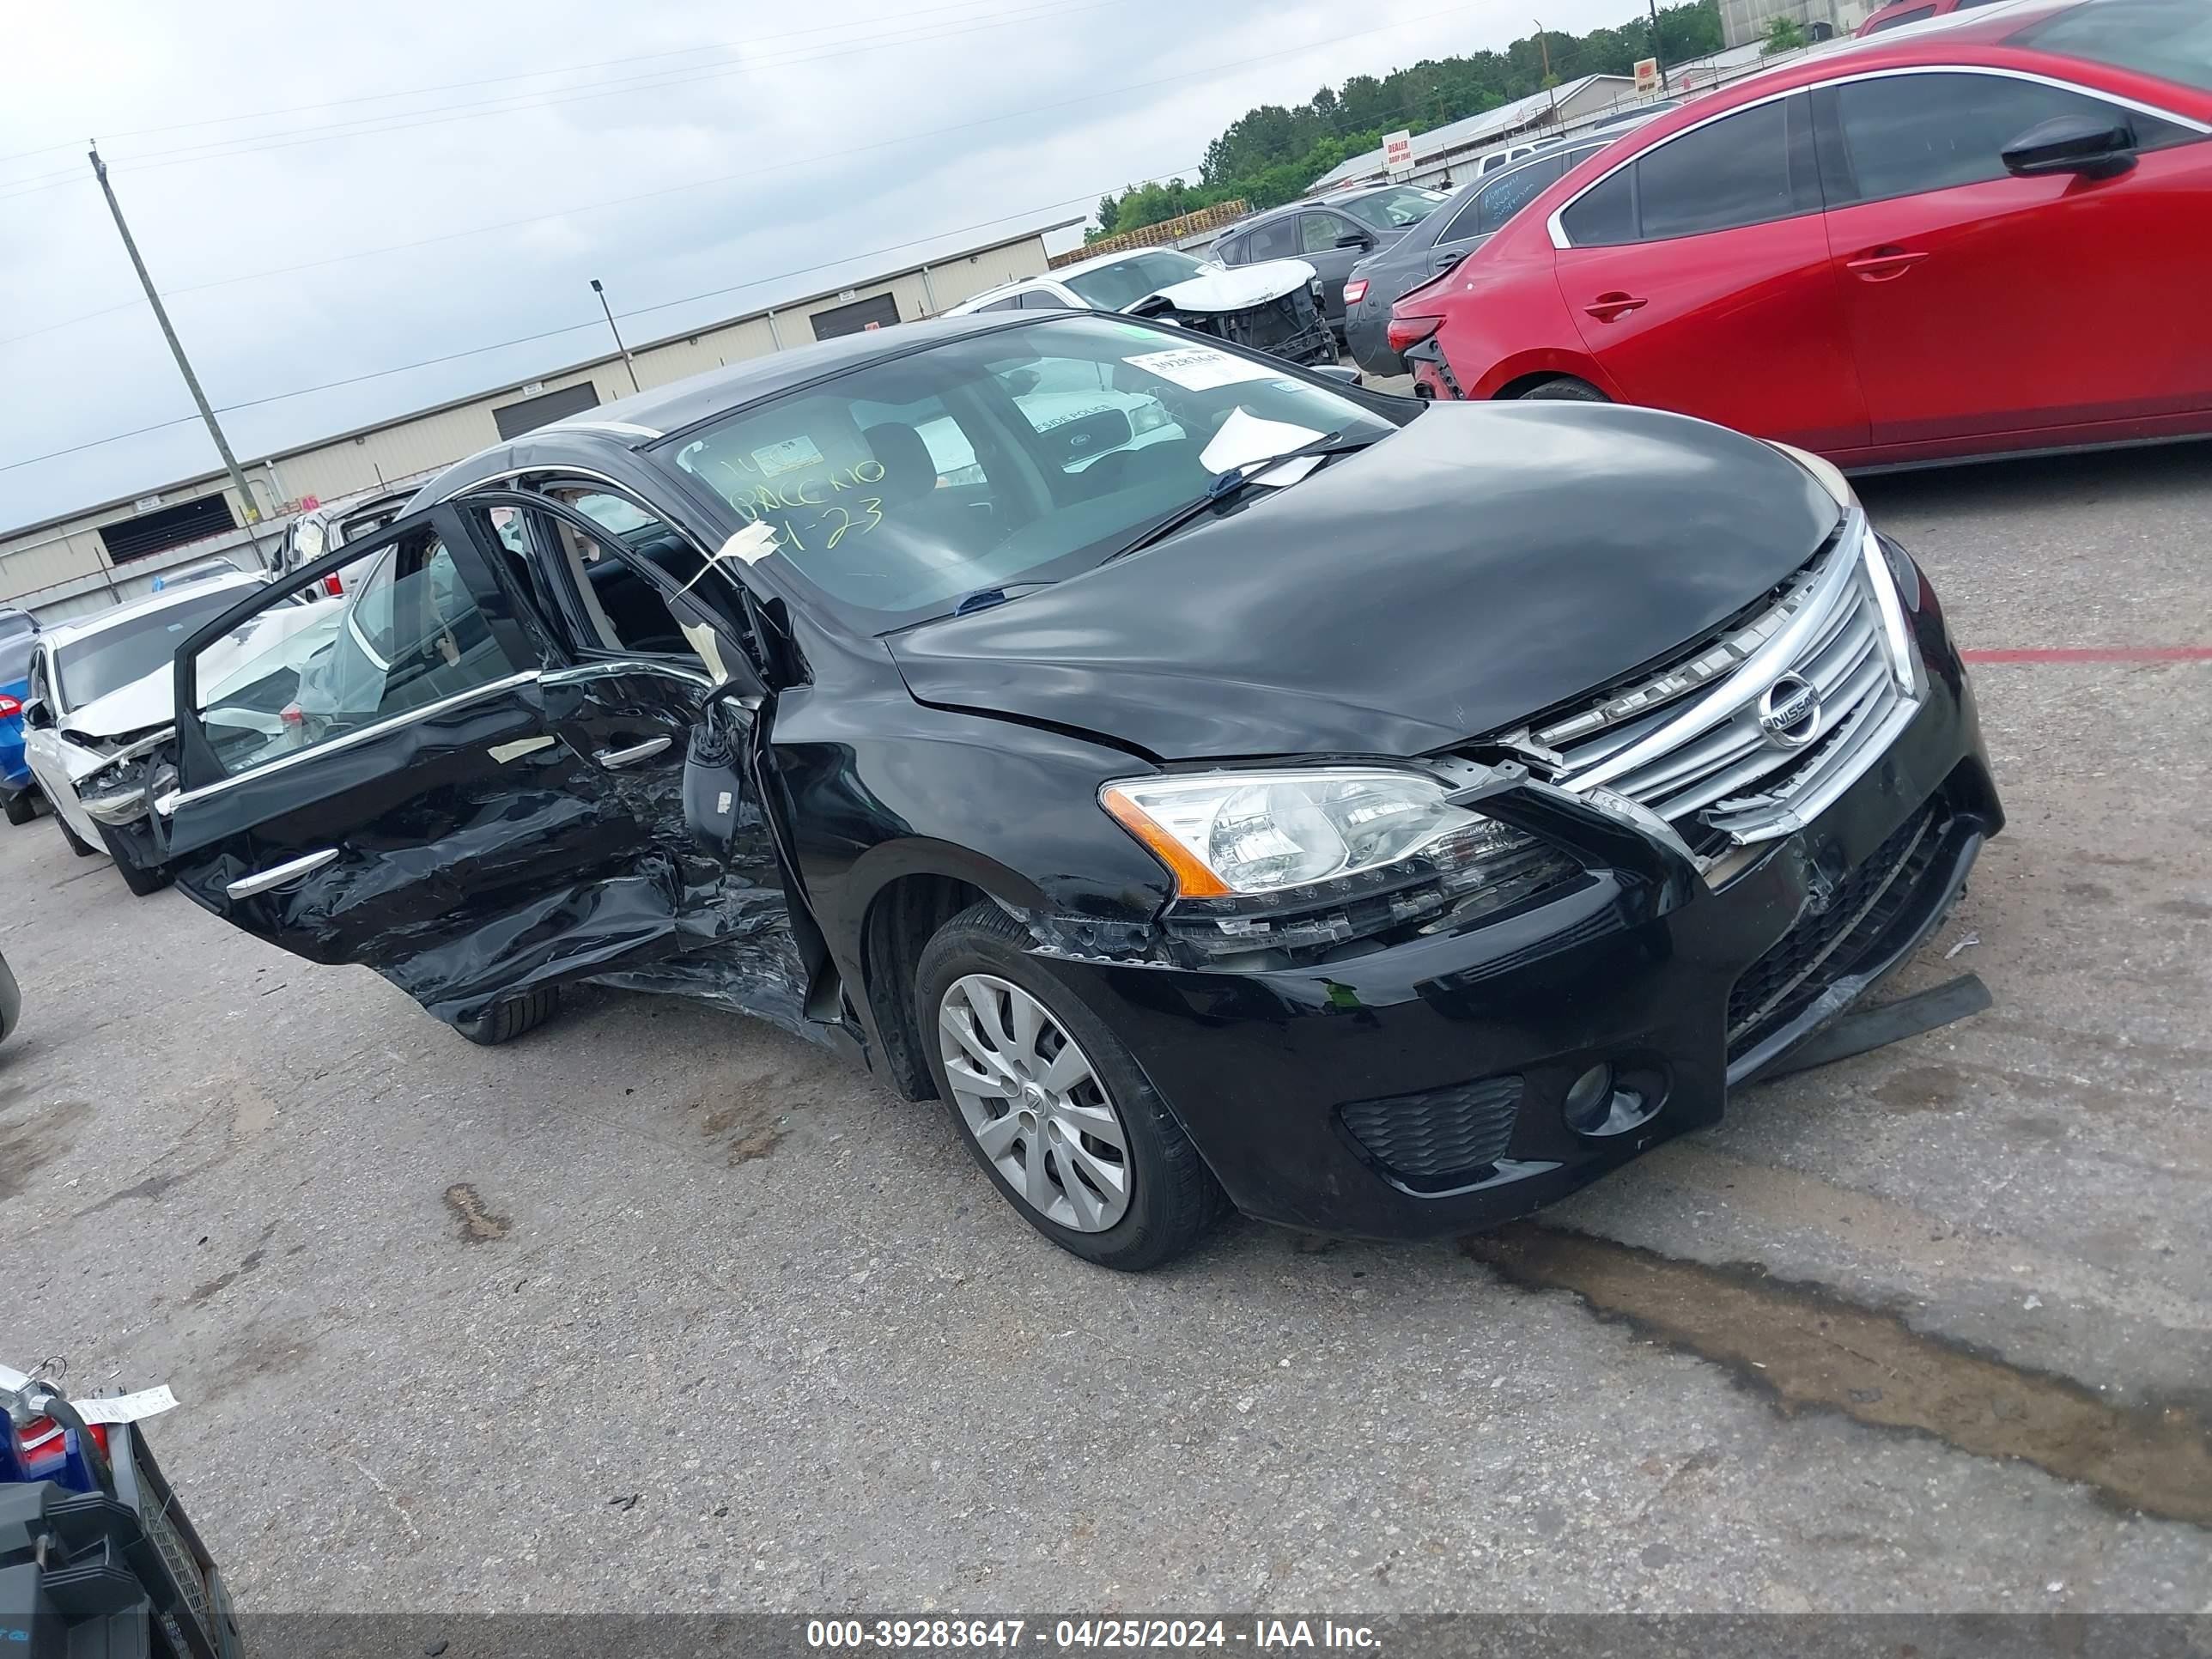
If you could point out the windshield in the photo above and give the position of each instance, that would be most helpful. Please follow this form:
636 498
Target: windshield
2170 38
16 657
1122 284
1025 454
100 663
1395 208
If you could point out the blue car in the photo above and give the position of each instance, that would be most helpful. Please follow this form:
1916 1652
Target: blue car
18 795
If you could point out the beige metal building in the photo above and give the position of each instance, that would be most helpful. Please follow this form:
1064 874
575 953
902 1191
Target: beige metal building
85 560
1743 21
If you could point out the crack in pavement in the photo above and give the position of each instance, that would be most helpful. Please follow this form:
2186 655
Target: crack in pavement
1812 1350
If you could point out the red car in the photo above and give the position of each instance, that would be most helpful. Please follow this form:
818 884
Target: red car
1987 236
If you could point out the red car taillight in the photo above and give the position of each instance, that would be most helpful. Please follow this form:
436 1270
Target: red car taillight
332 586
9 708
1355 290
1406 331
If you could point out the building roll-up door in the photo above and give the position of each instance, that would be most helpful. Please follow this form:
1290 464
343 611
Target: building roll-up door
171 526
877 311
515 419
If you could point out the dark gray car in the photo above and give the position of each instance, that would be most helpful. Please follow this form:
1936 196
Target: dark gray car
1330 235
1466 221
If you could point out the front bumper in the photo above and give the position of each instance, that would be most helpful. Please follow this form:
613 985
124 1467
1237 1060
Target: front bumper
1311 1093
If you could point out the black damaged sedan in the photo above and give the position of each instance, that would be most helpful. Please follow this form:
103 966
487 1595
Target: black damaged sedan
1222 786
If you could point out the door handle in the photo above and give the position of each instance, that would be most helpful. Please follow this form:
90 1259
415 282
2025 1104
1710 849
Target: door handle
277 874
1611 307
612 758
1882 263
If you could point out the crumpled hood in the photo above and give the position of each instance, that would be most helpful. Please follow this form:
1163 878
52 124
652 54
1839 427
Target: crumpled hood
133 708
1486 563
1233 287
151 700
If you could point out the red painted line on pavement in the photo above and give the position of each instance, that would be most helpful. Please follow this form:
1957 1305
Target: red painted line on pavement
2115 654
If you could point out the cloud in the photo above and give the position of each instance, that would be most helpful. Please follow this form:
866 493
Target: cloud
846 129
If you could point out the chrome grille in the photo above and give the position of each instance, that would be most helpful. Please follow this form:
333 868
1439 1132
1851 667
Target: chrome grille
1687 742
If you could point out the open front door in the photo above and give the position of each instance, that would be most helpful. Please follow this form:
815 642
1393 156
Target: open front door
660 688
405 783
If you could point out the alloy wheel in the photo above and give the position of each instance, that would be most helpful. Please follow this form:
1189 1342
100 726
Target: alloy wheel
1033 1101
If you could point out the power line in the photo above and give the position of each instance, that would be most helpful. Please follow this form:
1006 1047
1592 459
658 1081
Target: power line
82 317
480 81
1338 124
748 173
162 158
219 149
551 333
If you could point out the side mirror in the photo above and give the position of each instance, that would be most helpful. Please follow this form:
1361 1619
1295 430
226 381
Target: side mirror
2087 144
1344 372
37 715
1355 239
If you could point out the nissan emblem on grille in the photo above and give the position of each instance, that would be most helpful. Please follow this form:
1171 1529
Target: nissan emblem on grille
1789 712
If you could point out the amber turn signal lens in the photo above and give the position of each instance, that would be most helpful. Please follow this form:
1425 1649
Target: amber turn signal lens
1193 880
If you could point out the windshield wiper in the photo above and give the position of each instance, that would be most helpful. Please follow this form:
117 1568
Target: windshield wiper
984 597
1227 485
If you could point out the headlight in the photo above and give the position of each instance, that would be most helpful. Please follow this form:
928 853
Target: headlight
1293 858
1890 586
1901 566
1895 577
116 794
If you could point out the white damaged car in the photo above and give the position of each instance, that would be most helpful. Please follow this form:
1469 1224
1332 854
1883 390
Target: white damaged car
101 699
1272 306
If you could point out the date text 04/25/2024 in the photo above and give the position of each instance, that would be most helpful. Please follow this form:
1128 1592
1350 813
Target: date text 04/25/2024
1264 1635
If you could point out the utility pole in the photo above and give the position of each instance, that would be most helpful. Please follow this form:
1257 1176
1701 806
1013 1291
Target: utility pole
629 362
1658 50
1551 103
176 348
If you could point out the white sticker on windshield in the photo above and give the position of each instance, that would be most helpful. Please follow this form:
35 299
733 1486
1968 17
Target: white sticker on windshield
788 456
1245 437
1200 368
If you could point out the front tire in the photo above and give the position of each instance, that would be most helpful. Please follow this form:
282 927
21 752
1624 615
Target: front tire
503 1022
77 845
142 882
1052 1103
23 806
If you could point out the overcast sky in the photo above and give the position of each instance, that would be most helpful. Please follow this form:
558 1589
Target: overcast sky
793 148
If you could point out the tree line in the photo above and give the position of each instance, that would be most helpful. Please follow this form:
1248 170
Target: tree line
1271 154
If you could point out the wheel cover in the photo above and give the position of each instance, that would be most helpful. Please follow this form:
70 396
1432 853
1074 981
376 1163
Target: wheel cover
1032 1099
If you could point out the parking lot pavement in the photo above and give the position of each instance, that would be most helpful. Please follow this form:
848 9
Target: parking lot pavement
660 1308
